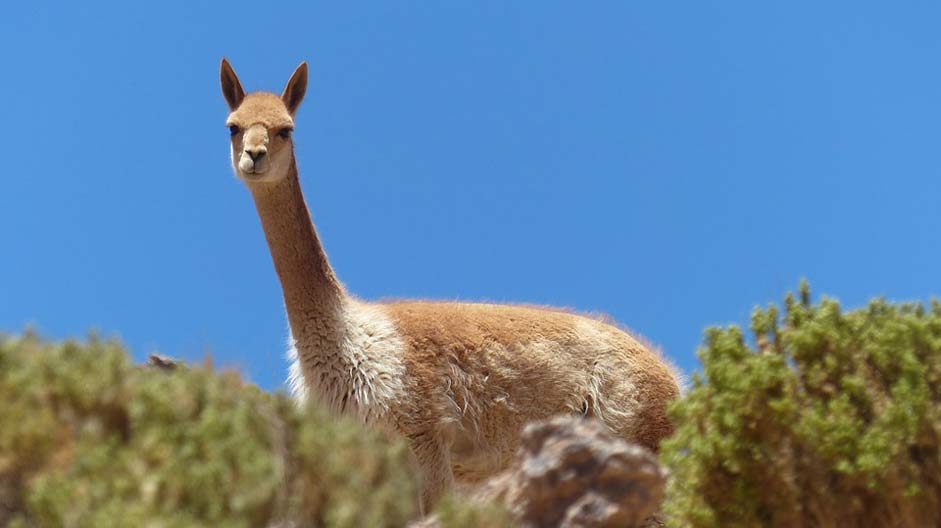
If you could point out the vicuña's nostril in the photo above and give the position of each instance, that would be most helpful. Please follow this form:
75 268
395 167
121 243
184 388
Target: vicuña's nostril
256 154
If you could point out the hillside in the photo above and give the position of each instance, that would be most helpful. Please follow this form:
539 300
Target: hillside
823 417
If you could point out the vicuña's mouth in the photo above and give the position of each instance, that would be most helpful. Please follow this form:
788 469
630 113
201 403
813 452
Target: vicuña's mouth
253 168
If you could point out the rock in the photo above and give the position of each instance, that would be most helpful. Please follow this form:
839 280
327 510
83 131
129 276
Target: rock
161 362
572 472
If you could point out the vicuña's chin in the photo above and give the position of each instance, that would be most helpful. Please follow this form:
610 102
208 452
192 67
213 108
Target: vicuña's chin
253 176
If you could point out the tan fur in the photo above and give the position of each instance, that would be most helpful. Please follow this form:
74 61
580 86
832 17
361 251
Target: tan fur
458 380
482 370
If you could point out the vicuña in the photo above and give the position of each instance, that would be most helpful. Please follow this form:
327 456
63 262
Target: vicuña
457 379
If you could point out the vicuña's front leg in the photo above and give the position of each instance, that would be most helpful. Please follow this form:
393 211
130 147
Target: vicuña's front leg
434 464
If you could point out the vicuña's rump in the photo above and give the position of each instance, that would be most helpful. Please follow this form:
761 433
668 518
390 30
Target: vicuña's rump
458 380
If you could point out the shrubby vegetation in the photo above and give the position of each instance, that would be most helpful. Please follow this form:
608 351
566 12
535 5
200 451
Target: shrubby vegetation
90 440
455 512
827 418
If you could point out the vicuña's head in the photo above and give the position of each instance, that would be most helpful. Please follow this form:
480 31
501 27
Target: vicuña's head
261 124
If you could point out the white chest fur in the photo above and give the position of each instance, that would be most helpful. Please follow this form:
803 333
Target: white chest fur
361 374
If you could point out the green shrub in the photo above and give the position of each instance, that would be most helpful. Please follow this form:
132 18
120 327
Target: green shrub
456 512
87 439
829 418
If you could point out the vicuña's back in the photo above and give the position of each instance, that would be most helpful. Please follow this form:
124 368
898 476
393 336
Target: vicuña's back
458 380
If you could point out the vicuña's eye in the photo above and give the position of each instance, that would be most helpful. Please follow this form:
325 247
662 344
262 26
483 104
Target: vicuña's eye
234 129
285 132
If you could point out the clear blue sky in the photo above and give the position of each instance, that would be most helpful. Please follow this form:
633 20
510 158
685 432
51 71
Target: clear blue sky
672 164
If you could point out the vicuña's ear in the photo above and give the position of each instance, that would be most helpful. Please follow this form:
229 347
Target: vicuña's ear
294 91
231 87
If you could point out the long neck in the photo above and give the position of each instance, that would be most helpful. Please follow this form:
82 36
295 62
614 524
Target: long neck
312 293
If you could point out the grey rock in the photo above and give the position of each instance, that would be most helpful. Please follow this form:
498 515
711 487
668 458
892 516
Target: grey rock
571 472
